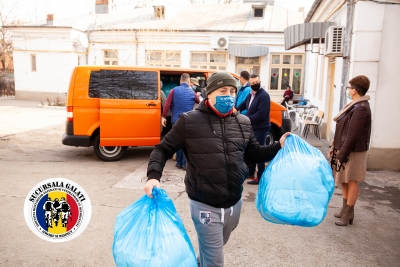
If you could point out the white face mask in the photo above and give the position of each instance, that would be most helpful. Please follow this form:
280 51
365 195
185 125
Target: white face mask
348 95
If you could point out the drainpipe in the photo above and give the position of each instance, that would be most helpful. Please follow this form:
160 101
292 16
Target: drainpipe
346 50
137 47
88 48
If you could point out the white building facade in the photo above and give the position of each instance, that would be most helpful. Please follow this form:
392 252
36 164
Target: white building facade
371 34
230 37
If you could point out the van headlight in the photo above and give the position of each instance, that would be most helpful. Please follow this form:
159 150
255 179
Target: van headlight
285 115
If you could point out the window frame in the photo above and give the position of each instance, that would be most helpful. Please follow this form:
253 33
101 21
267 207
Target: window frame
218 65
33 62
111 60
291 66
164 62
258 9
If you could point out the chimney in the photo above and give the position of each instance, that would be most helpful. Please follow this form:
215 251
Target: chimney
101 7
50 19
159 12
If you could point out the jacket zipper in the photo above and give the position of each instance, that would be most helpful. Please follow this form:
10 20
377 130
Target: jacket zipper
222 122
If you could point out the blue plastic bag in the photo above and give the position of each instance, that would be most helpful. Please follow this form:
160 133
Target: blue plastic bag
150 232
297 185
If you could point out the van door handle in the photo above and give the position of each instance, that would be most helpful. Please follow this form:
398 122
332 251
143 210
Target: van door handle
151 104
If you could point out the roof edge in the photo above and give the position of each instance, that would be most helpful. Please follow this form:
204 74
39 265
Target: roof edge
314 7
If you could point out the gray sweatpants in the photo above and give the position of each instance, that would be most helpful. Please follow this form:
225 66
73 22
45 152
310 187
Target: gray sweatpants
213 227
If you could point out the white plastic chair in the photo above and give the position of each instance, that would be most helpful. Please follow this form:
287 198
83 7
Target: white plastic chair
291 110
308 115
315 123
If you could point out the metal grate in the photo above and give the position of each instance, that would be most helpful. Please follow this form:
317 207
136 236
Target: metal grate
337 40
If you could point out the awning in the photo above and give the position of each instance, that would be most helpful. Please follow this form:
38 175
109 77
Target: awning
299 34
248 51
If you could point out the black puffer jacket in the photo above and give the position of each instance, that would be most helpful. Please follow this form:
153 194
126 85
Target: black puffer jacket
216 150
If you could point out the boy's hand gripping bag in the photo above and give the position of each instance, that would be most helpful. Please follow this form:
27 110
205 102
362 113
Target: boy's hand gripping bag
150 232
297 185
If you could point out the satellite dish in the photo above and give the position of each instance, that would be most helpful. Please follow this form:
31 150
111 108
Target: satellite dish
84 40
221 42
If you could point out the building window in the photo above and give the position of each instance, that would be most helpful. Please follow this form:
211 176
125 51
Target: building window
258 12
249 64
209 60
164 58
33 62
285 70
110 57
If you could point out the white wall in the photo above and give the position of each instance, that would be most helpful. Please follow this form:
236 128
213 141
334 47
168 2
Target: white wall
317 70
187 42
57 53
55 59
387 106
375 53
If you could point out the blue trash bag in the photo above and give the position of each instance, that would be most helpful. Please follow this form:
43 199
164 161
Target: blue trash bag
297 185
150 232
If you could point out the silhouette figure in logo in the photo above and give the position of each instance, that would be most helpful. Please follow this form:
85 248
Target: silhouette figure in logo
56 211
48 207
65 210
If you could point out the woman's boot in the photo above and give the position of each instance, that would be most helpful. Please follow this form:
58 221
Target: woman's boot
347 217
340 213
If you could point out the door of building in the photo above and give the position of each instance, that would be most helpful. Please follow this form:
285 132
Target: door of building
331 96
250 64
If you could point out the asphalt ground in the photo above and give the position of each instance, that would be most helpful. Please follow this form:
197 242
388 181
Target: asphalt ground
31 151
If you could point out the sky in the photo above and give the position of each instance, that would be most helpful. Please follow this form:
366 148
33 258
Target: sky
36 10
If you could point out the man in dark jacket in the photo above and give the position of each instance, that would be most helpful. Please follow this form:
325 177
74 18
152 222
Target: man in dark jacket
217 143
257 104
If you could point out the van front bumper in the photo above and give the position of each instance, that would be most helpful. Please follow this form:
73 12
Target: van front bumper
74 140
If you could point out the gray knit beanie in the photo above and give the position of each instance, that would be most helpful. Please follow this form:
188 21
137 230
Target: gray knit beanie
218 80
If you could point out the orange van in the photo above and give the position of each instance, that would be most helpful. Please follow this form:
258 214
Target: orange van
114 107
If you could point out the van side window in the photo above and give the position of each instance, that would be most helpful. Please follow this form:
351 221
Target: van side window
123 84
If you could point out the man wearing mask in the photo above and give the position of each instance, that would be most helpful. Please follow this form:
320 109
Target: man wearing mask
217 143
180 99
201 92
257 104
194 82
244 91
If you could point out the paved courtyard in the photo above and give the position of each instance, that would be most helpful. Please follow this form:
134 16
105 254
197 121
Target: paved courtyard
31 151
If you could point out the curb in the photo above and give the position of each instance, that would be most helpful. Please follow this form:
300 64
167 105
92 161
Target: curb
52 107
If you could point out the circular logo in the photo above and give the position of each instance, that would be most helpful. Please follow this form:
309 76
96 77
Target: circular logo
57 210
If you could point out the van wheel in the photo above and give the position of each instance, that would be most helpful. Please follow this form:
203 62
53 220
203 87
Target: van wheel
108 153
271 137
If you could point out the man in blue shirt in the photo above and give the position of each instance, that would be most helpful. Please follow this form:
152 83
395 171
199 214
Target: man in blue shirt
244 91
257 104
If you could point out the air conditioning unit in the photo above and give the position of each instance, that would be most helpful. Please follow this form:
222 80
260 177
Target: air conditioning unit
219 42
334 41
